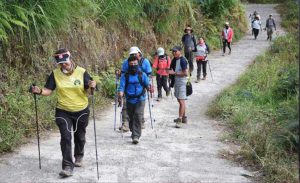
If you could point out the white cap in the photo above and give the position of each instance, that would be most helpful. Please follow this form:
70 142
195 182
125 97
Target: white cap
134 50
160 51
226 23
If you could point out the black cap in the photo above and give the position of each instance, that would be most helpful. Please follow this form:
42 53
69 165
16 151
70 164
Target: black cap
176 48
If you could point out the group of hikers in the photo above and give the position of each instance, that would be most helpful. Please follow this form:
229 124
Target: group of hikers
257 26
73 84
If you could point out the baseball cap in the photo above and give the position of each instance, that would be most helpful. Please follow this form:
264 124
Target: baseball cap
160 51
176 48
134 50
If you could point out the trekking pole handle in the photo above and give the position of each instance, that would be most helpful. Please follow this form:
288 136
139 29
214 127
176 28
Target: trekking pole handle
30 88
92 88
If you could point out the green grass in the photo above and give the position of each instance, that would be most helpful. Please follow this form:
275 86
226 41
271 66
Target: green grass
265 1
261 109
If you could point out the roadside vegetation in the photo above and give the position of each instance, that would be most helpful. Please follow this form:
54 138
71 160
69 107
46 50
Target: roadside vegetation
261 109
99 34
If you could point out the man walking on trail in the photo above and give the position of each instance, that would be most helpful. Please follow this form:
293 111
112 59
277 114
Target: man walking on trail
189 43
133 85
179 69
256 26
144 66
227 35
202 51
72 83
162 63
270 25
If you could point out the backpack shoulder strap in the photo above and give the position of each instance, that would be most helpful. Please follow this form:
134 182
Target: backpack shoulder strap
140 76
141 61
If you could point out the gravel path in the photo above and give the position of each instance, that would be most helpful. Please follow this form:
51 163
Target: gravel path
189 154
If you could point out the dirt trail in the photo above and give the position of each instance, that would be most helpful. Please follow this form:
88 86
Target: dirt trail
189 154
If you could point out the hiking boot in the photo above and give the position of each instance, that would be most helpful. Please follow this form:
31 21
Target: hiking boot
67 172
177 120
135 140
178 123
124 127
184 119
78 162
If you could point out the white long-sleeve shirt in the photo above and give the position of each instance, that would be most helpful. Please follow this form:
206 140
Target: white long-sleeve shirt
256 24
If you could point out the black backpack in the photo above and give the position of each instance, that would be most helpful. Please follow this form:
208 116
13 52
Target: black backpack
189 88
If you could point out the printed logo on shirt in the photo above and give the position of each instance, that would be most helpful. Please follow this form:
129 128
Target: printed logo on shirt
77 82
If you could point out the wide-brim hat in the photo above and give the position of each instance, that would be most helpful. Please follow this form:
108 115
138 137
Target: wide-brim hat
188 28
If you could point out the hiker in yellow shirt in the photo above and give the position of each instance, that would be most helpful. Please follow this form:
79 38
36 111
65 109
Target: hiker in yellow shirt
72 84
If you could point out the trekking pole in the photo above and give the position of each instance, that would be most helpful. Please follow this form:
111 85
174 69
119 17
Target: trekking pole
121 123
93 106
120 105
116 95
151 119
209 69
37 125
149 103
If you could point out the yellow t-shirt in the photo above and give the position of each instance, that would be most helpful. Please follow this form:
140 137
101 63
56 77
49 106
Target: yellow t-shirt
70 90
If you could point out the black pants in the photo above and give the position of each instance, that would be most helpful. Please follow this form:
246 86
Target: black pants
255 32
135 113
162 81
226 43
189 56
65 121
203 65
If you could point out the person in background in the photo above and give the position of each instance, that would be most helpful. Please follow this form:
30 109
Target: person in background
256 26
202 51
189 43
227 35
162 63
270 26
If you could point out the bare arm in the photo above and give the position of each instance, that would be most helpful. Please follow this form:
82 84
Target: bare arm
182 73
41 91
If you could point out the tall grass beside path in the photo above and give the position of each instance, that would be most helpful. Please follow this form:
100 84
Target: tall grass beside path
261 110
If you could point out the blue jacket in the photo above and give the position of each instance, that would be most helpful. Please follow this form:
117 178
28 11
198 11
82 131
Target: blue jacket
145 66
134 87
